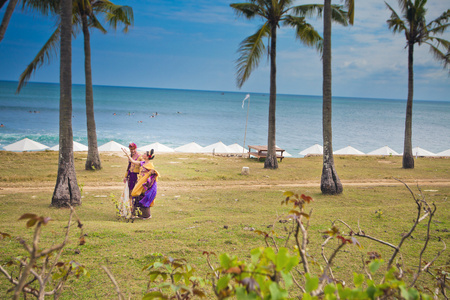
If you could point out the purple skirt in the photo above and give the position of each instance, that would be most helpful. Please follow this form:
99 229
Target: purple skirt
132 179
149 196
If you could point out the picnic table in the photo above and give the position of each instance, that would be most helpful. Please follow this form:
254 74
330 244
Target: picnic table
261 152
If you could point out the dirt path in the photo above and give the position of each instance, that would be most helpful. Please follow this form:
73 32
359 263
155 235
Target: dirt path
184 186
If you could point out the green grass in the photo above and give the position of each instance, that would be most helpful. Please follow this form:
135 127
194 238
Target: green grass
205 204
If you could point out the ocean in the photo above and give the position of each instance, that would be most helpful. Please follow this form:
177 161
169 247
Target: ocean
177 117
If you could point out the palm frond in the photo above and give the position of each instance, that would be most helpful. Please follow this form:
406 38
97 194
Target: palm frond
94 23
248 10
439 29
395 22
440 20
440 56
339 15
305 32
119 15
350 5
44 7
250 51
43 56
309 10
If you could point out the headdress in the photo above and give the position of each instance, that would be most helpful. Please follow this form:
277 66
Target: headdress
132 146
150 154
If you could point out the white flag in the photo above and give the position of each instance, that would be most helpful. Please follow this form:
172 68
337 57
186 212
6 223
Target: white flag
246 97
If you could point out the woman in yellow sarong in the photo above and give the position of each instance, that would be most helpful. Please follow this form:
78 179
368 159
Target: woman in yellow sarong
144 192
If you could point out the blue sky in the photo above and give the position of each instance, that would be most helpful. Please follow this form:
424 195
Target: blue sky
192 44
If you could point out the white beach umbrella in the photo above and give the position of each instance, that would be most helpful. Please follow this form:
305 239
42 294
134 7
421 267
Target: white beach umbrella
444 153
383 151
190 148
158 147
25 145
417 151
314 149
236 148
287 154
218 147
111 146
76 147
349 150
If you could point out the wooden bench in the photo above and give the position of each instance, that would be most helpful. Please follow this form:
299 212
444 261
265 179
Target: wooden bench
261 152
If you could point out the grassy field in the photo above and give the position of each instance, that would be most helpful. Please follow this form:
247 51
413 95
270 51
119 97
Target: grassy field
205 204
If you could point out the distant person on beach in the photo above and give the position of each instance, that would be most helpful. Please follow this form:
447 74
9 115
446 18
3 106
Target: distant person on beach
132 171
144 192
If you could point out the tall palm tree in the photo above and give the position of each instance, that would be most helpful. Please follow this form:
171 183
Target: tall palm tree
330 182
413 23
85 13
274 13
66 190
7 16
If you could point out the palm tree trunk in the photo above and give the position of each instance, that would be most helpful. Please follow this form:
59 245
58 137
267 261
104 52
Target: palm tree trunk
66 190
271 159
6 17
408 158
93 158
330 183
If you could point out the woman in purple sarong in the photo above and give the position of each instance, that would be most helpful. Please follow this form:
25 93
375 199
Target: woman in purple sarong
132 172
144 191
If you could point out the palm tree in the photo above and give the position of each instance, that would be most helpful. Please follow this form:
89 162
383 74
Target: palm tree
85 14
66 190
273 12
7 16
417 31
330 182
87 11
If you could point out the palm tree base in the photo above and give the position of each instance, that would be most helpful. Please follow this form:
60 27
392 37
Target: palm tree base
67 191
330 183
271 162
408 161
93 164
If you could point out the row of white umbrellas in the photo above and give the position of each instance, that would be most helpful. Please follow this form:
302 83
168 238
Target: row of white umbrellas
219 147
386 150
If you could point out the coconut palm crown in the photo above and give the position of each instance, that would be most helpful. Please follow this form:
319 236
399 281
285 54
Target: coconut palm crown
417 31
275 13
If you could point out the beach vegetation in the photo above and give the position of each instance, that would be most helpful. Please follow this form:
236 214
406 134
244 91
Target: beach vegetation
86 15
330 182
230 217
412 22
252 48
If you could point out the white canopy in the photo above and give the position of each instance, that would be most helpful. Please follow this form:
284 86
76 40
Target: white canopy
236 148
25 145
349 150
111 146
158 147
218 147
190 148
76 147
444 153
315 149
417 151
383 151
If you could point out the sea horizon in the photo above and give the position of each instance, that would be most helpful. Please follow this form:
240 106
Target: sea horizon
238 92
128 114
